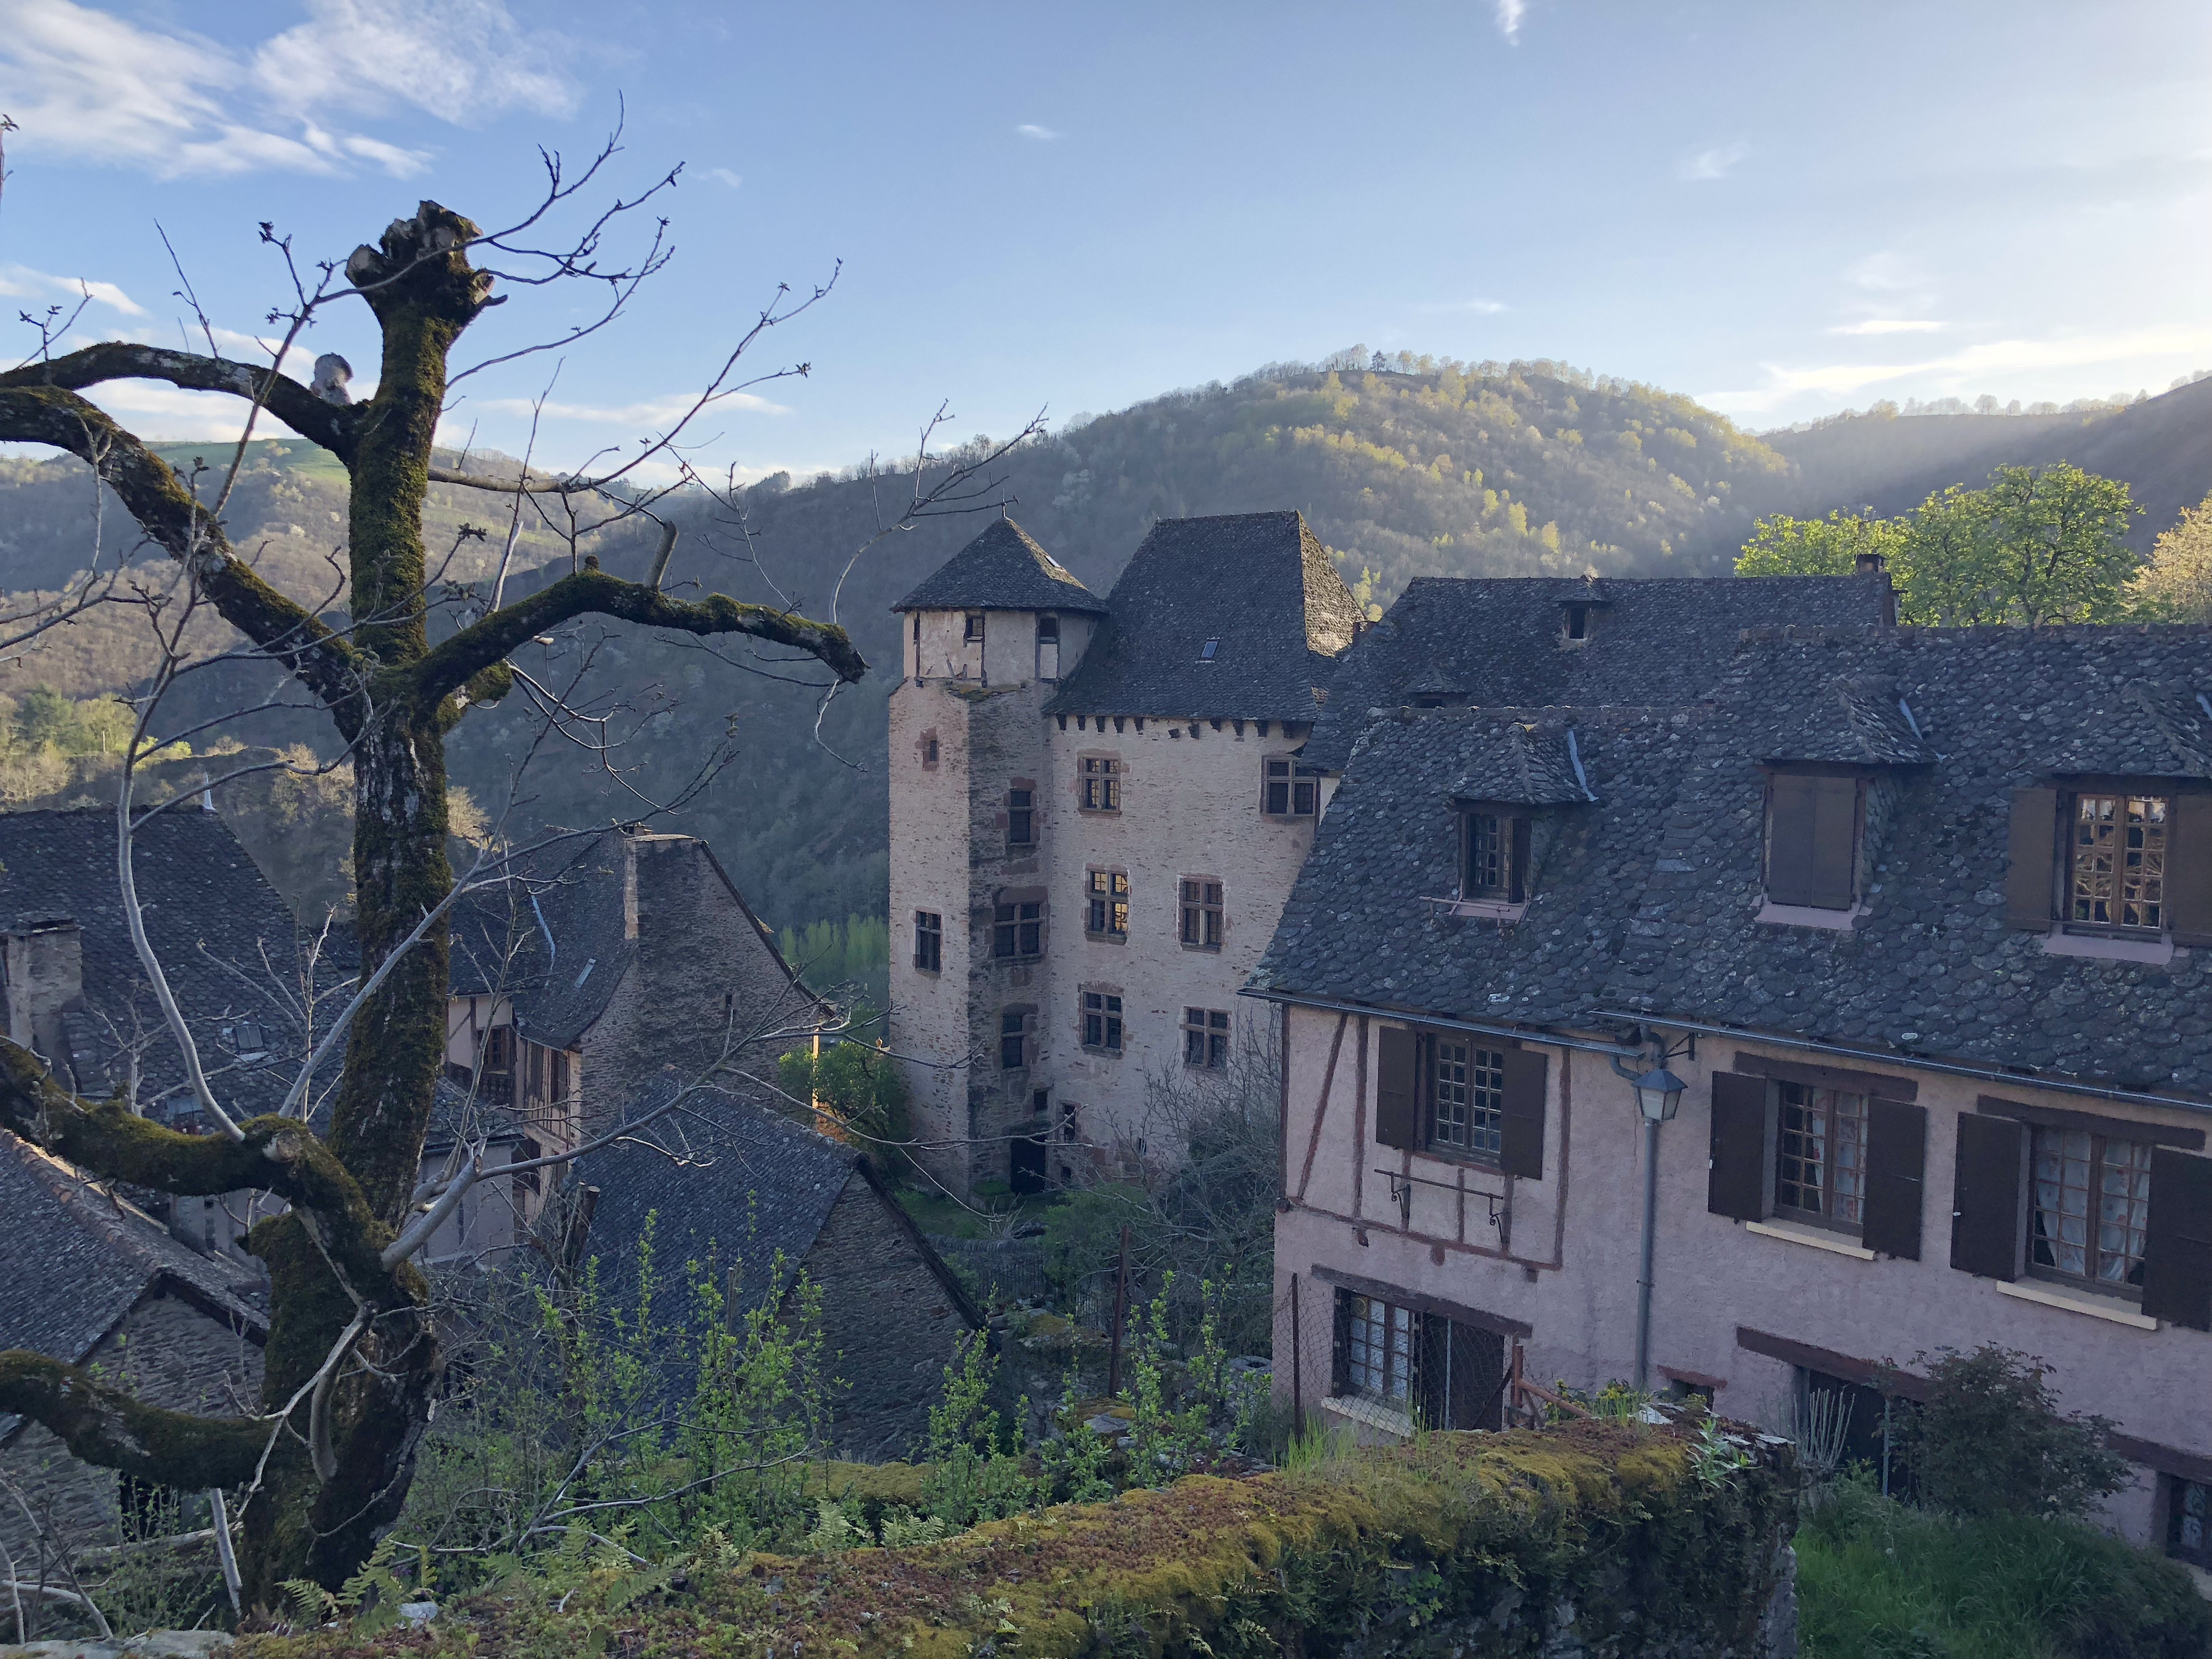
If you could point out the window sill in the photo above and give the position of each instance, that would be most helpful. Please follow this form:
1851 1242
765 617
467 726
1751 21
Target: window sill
1372 1413
1203 950
2081 1302
1103 1054
1481 910
2104 947
1806 915
1818 1238
1105 938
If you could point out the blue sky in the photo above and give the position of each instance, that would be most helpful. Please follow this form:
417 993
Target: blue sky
1781 209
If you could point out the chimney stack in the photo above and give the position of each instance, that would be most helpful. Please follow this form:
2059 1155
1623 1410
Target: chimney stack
45 965
1871 564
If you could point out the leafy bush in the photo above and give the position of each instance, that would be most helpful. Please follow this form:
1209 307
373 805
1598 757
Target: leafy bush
1990 1440
1879 1580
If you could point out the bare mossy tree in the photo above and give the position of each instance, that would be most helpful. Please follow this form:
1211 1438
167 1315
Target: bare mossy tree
352 1363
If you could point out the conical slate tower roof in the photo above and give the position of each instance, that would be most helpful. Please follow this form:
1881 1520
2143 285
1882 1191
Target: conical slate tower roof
1002 569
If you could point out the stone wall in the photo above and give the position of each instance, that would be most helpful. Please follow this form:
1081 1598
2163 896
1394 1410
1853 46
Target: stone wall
891 1319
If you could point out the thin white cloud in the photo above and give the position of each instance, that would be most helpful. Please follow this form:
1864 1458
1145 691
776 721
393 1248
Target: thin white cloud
161 413
85 85
1479 306
723 175
21 282
1887 272
1891 325
652 411
1972 366
1714 163
1509 15
1042 135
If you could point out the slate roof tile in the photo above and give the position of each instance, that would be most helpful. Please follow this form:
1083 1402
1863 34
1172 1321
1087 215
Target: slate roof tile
1002 569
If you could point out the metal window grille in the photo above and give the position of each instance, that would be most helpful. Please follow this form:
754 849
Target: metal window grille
1201 915
1821 1154
1101 784
2092 1206
1109 904
2116 869
1102 1021
1205 1038
1468 1099
1379 1350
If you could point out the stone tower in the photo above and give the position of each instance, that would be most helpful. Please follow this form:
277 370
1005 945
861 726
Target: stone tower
987 641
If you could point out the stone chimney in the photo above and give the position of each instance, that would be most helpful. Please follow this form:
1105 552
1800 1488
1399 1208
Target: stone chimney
1874 564
44 964
1871 564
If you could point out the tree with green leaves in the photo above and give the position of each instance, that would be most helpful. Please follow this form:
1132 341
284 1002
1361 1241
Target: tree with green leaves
1781 545
2176 584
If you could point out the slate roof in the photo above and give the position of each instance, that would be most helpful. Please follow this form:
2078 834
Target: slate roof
209 911
1532 763
1002 569
751 1183
95 1257
1259 585
1495 641
1644 900
554 940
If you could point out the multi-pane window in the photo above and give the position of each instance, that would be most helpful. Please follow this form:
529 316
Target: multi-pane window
1467 1098
2092 1206
1287 794
1201 915
1021 817
1102 1021
1101 784
1487 871
1820 1153
929 749
2115 862
2189 1528
1378 1349
1108 891
1017 931
1205 1038
928 941
1013 1040
971 631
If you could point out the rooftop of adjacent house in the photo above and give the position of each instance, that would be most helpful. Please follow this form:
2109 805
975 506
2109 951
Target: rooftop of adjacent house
1645 899
727 1183
96 1255
1536 641
1002 569
557 940
227 943
1238 616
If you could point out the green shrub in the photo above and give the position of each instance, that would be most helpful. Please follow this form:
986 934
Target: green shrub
1989 1440
1879 1580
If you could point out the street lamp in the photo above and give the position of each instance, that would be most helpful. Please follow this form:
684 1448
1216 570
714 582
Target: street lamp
1658 1096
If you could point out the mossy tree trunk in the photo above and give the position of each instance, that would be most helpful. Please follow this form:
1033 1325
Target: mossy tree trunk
393 699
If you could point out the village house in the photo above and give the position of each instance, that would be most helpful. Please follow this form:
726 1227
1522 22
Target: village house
1918 925
1096 809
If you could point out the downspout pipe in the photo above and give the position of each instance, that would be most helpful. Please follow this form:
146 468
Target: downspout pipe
1644 1274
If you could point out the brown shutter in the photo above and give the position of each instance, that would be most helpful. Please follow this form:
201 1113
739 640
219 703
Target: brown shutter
1812 840
2177 1243
2189 871
2031 852
1432 1371
1735 1184
1521 1118
1396 1121
1339 1360
1896 1154
1989 1195
1522 839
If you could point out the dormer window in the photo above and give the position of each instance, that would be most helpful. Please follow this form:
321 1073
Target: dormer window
2127 860
1577 621
2115 862
1493 861
1206 652
1813 822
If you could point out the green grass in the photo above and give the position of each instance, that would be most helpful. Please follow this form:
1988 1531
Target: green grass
1878 1580
933 1213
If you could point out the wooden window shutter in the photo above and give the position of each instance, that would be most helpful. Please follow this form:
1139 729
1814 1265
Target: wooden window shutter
2032 853
1988 1196
1432 1372
1522 840
1339 1362
2177 1243
1521 1125
1735 1184
1478 1378
2189 871
1896 1158
1397 1120
1812 840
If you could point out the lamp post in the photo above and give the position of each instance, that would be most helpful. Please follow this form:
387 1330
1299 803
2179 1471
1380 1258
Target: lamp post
1658 1095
